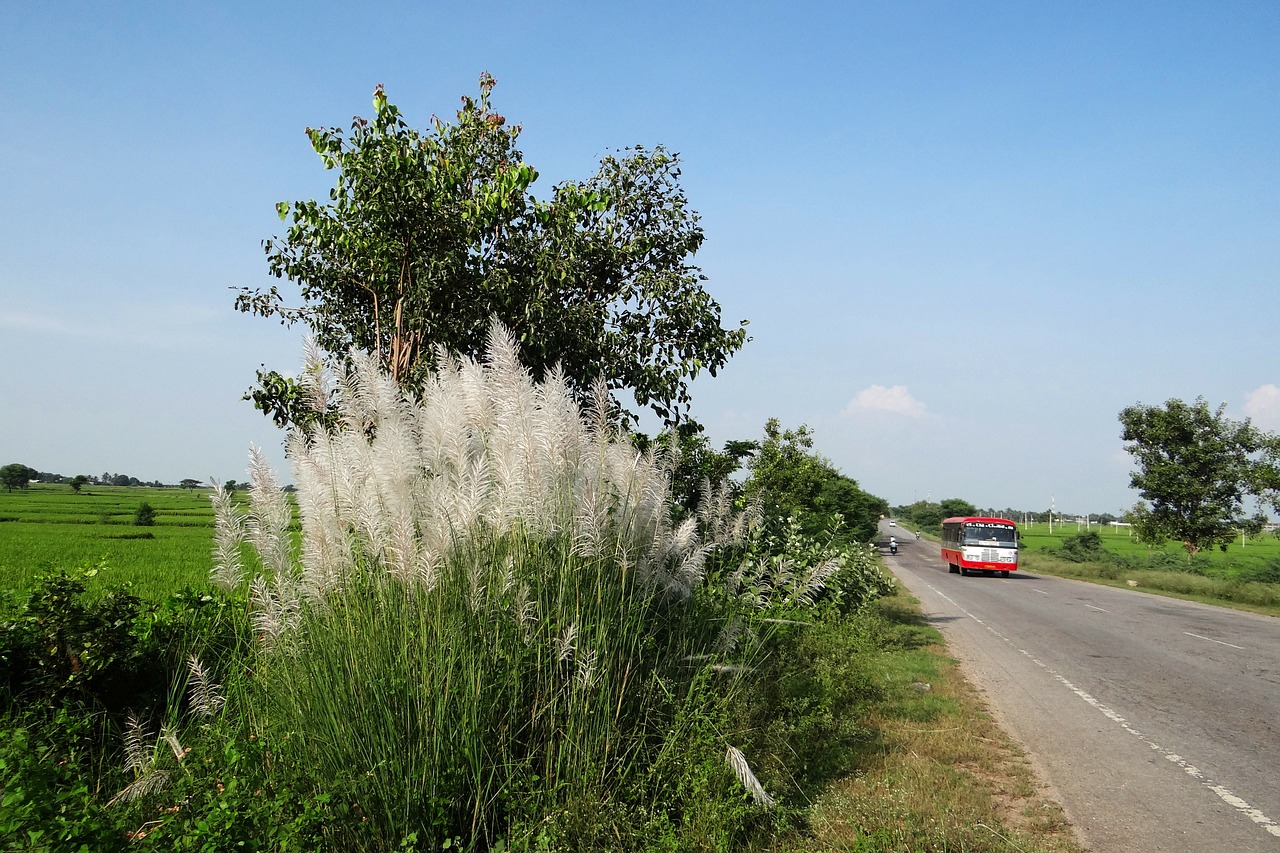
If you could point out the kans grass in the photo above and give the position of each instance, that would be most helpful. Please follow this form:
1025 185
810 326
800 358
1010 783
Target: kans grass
491 631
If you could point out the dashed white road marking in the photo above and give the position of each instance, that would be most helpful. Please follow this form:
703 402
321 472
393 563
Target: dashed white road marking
1212 640
1099 609
1191 770
1041 591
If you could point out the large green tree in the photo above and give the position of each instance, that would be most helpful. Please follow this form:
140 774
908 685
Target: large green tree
790 480
429 235
16 476
1197 467
953 507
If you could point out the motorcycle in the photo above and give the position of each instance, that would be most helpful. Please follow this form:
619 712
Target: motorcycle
893 546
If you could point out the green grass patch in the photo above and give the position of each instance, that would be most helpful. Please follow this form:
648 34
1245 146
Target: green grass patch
1226 591
1239 556
941 775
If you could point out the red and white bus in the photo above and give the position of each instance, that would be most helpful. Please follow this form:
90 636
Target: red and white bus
976 544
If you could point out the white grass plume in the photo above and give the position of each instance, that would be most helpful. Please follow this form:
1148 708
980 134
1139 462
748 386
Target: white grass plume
138 751
140 760
228 536
403 485
813 581
203 693
738 763
586 673
314 379
170 737
565 645
526 611
269 516
276 607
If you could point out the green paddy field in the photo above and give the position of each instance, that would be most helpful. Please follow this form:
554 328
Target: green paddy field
46 528
1239 557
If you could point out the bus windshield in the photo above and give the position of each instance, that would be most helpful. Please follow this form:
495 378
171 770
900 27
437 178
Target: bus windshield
990 534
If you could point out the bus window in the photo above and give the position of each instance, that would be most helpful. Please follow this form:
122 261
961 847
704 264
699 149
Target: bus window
980 534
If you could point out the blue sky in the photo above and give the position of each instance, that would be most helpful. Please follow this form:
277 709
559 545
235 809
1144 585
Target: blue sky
966 234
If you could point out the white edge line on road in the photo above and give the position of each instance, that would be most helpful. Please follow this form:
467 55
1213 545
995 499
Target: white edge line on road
1212 640
1191 770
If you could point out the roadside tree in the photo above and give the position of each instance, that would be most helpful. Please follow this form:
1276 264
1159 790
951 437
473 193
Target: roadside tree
1197 467
952 507
427 236
790 480
924 514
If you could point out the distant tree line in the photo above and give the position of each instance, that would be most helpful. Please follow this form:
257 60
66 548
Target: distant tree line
931 513
18 476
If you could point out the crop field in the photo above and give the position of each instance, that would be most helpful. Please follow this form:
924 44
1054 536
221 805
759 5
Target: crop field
47 528
1253 551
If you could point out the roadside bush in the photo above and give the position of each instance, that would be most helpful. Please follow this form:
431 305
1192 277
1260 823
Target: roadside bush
805 712
1083 548
111 654
226 795
75 672
1268 572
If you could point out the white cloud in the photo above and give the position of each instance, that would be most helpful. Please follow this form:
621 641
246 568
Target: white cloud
1262 406
896 400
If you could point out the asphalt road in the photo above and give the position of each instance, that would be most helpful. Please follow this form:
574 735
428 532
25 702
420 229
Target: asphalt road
1154 719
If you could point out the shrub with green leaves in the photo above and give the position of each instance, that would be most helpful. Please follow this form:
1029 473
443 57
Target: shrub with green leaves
48 800
145 516
1084 548
61 646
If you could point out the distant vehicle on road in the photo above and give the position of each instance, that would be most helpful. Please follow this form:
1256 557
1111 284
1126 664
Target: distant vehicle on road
893 523
977 544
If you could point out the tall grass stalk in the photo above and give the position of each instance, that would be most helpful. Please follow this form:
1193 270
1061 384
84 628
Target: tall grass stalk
492 616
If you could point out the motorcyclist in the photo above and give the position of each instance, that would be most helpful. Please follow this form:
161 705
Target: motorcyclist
893 545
